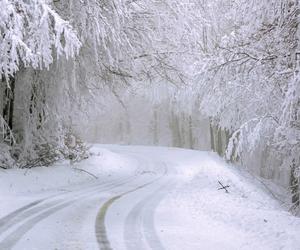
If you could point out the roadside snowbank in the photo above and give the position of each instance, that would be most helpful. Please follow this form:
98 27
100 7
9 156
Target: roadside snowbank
199 216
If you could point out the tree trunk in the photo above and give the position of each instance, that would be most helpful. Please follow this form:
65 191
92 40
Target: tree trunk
8 107
295 186
212 138
155 127
191 136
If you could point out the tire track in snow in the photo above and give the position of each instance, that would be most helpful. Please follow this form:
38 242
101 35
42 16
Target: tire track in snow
78 189
27 210
33 208
5 220
13 214
15 236
40 214
100 228
139 224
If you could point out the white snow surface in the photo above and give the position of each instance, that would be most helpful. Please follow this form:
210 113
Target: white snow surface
170 200
21 186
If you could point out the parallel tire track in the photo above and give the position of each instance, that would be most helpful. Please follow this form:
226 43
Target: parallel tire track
35 207
146 211
4 220
40 213
138 228
100 228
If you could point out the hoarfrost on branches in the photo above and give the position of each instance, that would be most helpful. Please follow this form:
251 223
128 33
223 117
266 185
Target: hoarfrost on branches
29 32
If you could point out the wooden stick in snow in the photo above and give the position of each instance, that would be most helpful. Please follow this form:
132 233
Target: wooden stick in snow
223 187
82 170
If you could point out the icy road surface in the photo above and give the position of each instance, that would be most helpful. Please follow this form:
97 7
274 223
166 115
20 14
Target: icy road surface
141 198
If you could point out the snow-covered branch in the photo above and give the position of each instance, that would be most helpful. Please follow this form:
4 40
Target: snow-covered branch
29 33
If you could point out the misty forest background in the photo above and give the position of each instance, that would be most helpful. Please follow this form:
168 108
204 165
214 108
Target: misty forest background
220 75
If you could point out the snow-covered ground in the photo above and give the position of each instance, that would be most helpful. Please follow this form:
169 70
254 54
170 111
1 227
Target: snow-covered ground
18 187
135 197
199 216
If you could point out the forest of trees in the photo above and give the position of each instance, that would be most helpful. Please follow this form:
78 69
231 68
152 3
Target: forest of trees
232 63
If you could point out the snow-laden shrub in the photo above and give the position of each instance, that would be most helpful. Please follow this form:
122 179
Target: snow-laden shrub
75 149
6 161
45 154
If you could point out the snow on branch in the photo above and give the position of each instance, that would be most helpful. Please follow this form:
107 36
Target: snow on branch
29 33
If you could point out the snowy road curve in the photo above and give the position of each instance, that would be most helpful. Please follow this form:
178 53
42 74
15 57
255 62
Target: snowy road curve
161 198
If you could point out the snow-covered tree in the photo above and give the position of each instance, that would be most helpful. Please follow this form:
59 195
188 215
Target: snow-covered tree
29 33
232 60
249 87
32 34
124 43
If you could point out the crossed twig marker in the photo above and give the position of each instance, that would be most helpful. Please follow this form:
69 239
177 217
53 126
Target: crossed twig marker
223 187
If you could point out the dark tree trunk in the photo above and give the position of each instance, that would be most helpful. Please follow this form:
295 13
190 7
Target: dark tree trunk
295 187
212 138
9 95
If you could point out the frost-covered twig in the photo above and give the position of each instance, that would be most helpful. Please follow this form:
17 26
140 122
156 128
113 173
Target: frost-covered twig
82 170
6 133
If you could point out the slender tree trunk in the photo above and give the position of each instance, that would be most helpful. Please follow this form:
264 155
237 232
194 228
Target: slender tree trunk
8 108
155 126
294 182
175 129
295 178
212 138
191 136
219 141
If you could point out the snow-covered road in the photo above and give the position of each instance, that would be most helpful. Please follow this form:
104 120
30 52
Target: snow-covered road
143 198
